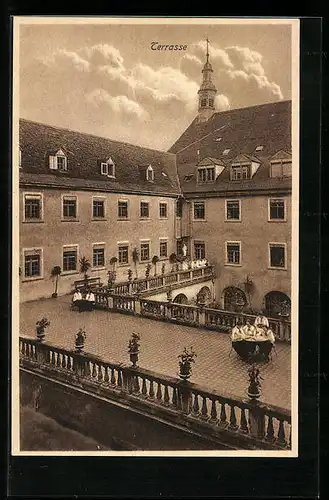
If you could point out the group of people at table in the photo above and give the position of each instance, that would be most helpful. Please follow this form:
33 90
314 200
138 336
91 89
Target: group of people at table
253 340
84 300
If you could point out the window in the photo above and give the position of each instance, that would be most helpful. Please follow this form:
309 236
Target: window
239 172
33 206
98 209
259 148
206 174
199 250
70 258
163 210
104 168
163 249
203 102
144 209
233 210
179 247
69 207
98 256
233 253
123 254
61 163
277 209
199 210
211 102
58 161
108 168
150 174
32 263
277 255
145 251
280 168
226 151
179 208
123 209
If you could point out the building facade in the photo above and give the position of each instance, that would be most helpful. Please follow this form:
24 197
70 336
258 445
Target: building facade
223 189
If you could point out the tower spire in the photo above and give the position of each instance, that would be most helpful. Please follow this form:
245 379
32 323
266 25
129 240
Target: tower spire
207 91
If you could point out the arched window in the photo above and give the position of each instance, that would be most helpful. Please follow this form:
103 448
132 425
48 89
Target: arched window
204 295
277 305
149 173
234 299
180 299
203 103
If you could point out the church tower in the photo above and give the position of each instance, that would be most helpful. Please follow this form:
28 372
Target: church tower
207 92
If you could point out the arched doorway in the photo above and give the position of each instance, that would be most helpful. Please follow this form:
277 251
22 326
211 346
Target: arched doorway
204 295
277 305
234 299
180 299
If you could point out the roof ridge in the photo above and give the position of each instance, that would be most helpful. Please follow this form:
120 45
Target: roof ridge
250 107
95 136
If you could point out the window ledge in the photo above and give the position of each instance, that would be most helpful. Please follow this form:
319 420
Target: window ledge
123 218
97 219
199 220
33 221
124 265
69 273
277 220
233 220
70 220
230 264
144 218
98 268
32 278
163 218
277 268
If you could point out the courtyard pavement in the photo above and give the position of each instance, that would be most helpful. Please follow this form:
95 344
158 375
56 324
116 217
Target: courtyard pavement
108 334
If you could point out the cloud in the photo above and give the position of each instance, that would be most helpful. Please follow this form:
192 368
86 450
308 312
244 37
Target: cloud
67 58
119 104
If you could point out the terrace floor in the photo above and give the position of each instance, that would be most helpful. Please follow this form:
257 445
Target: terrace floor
108 333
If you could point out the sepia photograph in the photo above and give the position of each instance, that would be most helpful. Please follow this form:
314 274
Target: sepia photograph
155 185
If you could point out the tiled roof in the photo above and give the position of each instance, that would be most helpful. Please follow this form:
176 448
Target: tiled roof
241 131
84 152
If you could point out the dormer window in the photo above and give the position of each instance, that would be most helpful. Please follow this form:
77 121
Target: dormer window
239 172
209 169
281 165
58 161
150 174
206 174
259 148
108 168
226 151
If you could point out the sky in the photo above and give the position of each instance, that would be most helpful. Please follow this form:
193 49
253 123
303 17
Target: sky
105 79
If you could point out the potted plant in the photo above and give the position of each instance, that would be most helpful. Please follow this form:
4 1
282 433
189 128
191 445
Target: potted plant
40 328
113 261
55 273
80 338
147 270
133 348
135 257
185 363
172 260
84 267
163 268
254 389
155 260
111 277
130 275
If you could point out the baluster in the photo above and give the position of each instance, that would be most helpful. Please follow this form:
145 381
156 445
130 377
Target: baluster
281 434
233 424
100 373
112 376
174 397
270 430
63 361
94 372
151 391
195 406
69 364
106 375
119 378
223 419
136 384
204 411
213 412
243 421
58 362
144 388
159 392
52 358
166 395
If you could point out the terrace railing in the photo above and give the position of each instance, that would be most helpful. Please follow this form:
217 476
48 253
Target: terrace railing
213 319
244 423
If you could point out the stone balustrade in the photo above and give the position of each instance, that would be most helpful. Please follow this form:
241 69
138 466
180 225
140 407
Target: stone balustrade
213 319
244 423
